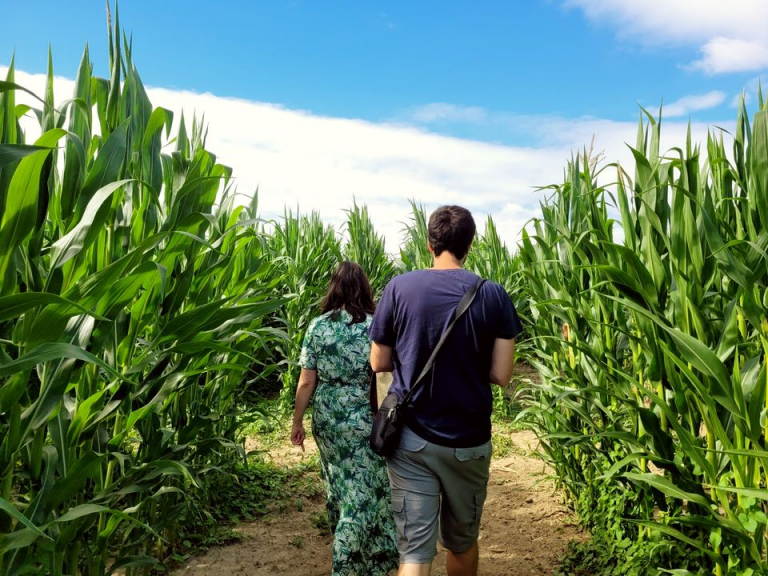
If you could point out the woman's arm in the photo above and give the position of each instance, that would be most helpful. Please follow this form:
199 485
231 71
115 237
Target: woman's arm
307 383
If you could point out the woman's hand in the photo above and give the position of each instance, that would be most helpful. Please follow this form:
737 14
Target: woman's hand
307 382
298 435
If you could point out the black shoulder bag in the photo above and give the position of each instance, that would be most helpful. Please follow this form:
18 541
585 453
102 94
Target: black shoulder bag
388 420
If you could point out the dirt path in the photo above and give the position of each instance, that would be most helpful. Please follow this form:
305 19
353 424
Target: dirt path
523 532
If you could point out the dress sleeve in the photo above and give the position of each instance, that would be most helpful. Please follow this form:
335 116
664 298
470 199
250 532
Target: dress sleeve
308 357
382 329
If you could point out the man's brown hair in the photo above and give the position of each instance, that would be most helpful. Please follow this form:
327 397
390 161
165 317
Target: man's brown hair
451 228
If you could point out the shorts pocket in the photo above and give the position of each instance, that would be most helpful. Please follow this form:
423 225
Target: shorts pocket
475 453
398 504
479 503
398 509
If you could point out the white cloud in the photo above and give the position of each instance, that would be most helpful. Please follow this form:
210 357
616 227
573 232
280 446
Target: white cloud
322 163
730 35
442 112
550 130
693 103
733 55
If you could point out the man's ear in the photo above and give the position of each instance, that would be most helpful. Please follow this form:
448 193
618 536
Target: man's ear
463 260
431 250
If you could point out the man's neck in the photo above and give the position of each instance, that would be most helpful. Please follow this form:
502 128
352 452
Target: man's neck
446 261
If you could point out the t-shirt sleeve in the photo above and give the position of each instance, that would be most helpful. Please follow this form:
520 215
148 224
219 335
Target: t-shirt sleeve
308 356
382 329
509 325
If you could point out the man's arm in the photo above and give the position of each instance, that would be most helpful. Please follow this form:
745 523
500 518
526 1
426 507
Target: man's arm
382 332
381 358
502 361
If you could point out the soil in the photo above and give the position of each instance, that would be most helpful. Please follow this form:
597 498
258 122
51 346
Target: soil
525 527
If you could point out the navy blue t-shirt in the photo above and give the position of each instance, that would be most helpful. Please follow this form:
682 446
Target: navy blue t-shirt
452 406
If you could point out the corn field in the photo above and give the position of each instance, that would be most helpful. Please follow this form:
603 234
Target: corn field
133 310
652 350
141 307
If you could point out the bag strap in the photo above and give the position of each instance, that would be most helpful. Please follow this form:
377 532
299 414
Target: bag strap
464 304
373 392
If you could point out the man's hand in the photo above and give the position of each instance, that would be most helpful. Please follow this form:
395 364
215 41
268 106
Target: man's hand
502 361
381 358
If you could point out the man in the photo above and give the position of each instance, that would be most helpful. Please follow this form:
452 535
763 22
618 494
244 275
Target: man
439 473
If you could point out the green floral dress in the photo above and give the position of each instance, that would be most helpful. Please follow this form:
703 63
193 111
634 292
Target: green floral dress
358 496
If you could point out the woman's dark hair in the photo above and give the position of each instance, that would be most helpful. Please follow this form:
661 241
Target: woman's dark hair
451 228
349 289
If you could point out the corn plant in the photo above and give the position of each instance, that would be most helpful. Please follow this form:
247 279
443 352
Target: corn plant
303 252
414 253
652 350
131 311
491 258
367 248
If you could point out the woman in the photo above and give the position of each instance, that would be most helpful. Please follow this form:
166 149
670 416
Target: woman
335 356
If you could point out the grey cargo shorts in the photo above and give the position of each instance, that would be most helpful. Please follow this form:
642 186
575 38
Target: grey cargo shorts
433 486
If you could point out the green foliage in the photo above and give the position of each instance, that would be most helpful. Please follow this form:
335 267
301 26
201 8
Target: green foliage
247 492
652 350
303 253
135 315
320 521
608 509
601 557
414 252
505 406
503 439
141 312
367 248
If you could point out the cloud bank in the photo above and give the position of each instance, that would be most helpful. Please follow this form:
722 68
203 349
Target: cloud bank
297 158
730 35
694 103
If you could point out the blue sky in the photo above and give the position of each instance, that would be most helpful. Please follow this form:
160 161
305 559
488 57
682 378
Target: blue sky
377 60
539 76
